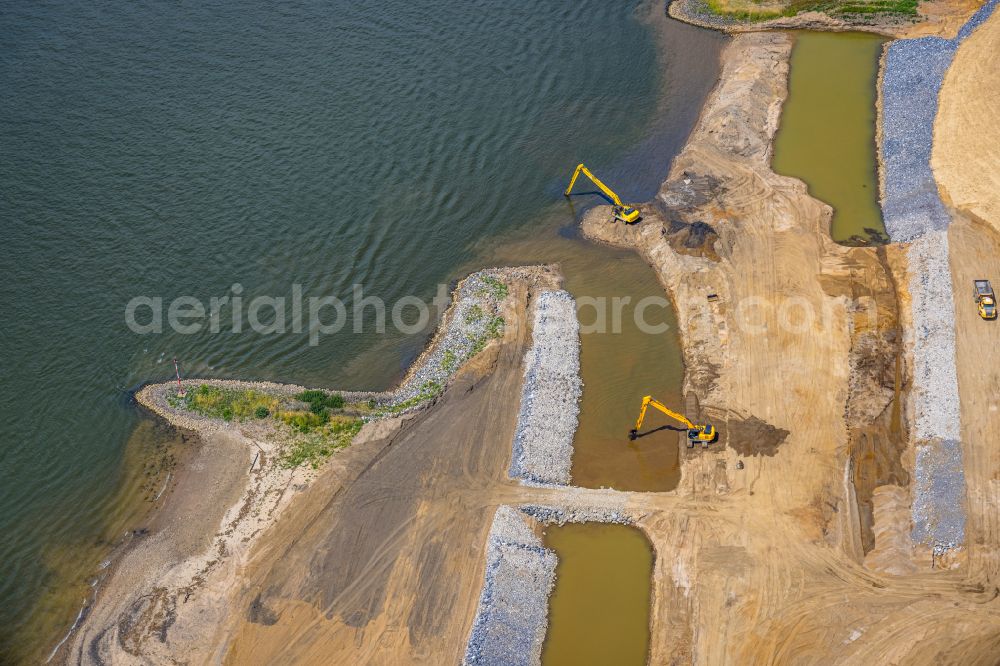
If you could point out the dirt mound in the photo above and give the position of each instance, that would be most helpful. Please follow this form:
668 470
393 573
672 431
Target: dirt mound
754 437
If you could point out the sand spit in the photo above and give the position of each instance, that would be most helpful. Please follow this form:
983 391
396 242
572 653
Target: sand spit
175 581
912 75
471 321
547 420
512 616
935 17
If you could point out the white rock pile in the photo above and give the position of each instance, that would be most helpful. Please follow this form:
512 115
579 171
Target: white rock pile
512 616
939 483
546 423
913 211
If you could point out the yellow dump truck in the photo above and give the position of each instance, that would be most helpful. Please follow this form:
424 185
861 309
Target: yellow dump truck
985 299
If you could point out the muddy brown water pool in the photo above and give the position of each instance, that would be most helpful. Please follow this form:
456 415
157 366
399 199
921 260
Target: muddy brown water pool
827 132
599 609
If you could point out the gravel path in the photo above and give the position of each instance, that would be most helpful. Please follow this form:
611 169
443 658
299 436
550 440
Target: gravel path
512 617
560 515
913 211
939 495
914 70
546 423
935 379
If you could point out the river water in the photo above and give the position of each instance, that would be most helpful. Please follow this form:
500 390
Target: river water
166 150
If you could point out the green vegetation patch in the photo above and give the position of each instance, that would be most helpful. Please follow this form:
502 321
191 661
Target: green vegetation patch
428 391
320 400
494 287
317 432
493 330
747 13
474 314
449 361
226 403
304 421
319 442
755 10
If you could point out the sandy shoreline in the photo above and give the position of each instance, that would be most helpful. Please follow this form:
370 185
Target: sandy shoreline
235 485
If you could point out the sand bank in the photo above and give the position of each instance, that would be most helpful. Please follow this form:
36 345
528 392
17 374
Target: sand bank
167 594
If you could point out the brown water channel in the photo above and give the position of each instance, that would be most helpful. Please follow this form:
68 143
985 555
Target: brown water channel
599 609
619 362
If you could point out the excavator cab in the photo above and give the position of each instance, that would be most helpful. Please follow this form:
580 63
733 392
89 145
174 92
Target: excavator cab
704 433
627 214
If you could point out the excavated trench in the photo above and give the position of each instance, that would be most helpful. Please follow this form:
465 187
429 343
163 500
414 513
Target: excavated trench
877 436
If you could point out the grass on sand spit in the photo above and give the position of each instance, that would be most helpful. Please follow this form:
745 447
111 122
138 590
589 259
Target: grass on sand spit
762 10
312 417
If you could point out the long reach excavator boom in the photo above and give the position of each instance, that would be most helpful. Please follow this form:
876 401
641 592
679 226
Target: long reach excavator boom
701 433
624 213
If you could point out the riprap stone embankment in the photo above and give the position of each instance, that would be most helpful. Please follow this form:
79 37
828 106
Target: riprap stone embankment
547 420
912 75
512 615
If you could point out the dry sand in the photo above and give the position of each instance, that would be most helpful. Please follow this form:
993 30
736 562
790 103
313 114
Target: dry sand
966 161
966 156
796 556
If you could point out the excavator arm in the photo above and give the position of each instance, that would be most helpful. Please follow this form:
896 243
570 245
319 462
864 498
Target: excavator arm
601 186
650 401
624 213
703 433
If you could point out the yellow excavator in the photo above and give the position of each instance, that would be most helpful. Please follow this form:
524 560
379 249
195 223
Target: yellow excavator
626 214
696 433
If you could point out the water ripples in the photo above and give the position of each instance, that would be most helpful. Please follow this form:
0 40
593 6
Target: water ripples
154 149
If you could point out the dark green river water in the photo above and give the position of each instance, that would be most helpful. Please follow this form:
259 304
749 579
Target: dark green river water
171 149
